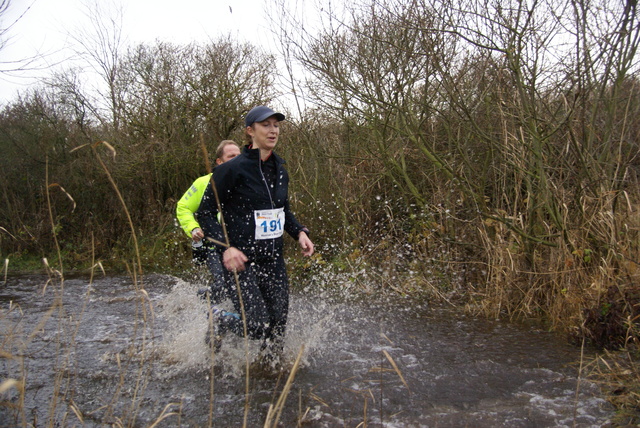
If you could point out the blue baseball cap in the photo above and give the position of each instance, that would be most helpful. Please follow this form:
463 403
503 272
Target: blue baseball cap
260 113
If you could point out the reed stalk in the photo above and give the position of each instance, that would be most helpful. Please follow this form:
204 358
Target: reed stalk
141 304
275 411
238 288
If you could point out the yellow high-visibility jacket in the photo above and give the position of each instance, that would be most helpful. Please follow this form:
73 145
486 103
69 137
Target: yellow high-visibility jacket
189 204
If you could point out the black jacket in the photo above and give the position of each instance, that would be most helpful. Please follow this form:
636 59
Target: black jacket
242 190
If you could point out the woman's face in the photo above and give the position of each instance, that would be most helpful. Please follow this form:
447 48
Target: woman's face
264 135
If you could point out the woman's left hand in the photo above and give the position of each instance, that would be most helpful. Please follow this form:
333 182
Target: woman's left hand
305 244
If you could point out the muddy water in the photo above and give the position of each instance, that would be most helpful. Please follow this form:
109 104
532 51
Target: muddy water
113 352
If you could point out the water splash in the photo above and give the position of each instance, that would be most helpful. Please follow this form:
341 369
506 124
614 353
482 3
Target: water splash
185 327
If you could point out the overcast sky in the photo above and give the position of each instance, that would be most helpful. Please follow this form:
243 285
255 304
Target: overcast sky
47 24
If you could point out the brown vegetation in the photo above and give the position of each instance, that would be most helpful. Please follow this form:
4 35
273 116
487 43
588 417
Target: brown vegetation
482 151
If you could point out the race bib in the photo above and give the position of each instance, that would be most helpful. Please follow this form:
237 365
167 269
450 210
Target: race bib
269 223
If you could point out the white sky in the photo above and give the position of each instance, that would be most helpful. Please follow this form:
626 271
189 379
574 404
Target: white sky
46 26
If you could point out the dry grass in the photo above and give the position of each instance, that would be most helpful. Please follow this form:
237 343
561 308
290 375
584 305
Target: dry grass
275 410
618 374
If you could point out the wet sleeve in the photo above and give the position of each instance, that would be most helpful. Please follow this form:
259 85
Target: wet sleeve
186 207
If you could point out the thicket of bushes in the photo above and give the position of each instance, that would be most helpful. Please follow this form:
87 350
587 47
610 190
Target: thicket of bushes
486 152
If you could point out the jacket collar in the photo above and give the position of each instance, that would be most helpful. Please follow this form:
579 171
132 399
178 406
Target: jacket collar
252 153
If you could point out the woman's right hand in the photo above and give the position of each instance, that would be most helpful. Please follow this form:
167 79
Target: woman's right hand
234 259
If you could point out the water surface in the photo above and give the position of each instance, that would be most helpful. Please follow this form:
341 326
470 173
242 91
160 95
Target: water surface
115 352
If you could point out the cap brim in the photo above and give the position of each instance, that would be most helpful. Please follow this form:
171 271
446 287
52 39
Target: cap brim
266 116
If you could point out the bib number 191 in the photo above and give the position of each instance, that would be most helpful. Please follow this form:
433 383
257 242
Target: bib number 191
272 226
269 223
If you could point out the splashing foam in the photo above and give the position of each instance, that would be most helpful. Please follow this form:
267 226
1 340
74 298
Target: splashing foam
184 317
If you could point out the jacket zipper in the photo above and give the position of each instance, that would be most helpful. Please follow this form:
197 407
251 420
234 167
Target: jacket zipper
264 180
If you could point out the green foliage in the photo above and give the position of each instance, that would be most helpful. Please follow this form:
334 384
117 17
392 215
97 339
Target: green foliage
170 100
485 152
22 262
432 155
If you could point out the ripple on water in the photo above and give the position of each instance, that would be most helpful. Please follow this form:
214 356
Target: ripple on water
391 362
